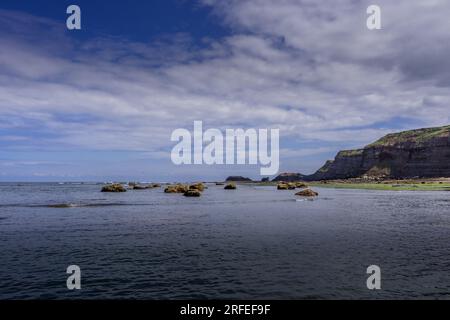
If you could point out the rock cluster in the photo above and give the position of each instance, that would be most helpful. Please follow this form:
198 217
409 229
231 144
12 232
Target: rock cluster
290 185
193 190
115 187
178 188
285 186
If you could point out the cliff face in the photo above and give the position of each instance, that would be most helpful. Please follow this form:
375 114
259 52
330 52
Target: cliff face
408 154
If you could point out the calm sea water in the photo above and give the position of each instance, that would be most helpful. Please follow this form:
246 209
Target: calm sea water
252 243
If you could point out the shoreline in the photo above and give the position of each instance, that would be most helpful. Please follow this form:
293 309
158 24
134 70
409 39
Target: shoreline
425 184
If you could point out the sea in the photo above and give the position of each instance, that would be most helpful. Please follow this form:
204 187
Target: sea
255 242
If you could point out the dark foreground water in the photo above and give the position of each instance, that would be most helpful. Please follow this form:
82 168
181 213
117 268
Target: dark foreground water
252 243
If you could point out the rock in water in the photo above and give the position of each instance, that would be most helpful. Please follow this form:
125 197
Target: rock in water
286 186
230 186
178 188
116 187
307 193
301 185
198 186
192 193
282 186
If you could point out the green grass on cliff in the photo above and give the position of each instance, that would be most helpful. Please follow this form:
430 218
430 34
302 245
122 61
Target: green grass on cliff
418 136
391 186
351 153
429 186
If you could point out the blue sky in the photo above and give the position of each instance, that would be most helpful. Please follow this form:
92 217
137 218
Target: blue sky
136 20
100 103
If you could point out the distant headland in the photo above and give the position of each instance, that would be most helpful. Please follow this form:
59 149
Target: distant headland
419 153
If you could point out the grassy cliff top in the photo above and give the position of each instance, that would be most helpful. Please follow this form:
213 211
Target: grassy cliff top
417 136
350 153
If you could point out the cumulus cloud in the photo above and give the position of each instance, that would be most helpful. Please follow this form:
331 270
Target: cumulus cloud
310 68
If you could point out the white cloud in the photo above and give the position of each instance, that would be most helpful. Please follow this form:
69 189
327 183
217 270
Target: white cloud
310 68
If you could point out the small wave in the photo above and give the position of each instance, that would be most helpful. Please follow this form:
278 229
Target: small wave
87 205
62 205
74 205
304 199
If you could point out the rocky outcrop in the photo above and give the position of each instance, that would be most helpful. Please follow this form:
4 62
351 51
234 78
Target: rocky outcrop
179 188
420 153
282 186
230 186
115 187
307 193
198 186
301 185
238 179
286 186
193 190
192 193
289 177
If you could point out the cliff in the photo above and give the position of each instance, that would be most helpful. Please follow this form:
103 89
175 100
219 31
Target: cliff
415 153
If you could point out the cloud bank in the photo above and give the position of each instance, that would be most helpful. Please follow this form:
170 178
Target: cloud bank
311 69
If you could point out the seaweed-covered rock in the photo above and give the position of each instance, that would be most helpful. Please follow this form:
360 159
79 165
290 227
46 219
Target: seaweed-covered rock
301 185
192 193
198 186
307 193
282 186
115 187
286 186
178 188
170 189
230 186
